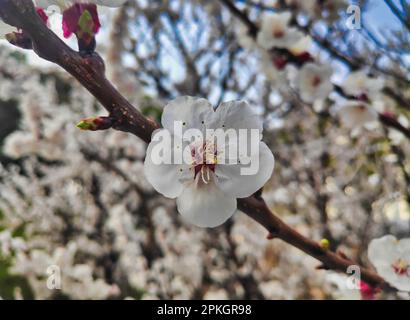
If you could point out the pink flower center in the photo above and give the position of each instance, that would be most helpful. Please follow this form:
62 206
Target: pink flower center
401 267
277 34
204 160
316 81
363 97
279 62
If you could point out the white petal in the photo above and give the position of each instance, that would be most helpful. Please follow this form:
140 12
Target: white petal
356 114
166 178
190 111
235 115
358 83
309 91
404 249
401 282
230 180
382 250
205 205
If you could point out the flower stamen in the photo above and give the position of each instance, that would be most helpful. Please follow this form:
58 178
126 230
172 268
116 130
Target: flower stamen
401 267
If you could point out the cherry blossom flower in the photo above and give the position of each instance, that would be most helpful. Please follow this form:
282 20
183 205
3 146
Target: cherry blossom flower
275 31
391 258
360 85
356 114
206 189
314 82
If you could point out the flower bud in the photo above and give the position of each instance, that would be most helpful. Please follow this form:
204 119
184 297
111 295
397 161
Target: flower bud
324 243
94 124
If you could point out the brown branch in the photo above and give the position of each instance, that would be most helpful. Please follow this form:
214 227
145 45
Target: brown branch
89 71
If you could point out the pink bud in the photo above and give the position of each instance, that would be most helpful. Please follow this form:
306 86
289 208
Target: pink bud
42 15
367 291
71 18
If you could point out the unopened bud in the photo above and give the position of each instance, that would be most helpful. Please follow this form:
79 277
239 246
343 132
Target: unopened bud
82 20
94 124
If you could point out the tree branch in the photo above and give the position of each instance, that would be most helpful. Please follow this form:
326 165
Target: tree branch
89 71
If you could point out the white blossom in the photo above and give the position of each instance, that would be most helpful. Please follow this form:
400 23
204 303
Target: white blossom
313 82
358 83
356 114
206 190
391 258
275 31
277 77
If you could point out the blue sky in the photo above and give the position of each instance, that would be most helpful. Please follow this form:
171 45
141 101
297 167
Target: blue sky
380 16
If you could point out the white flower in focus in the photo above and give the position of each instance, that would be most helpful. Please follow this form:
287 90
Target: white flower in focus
275 31
356 114
391 259
358 84
206 188
313 82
